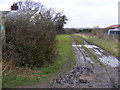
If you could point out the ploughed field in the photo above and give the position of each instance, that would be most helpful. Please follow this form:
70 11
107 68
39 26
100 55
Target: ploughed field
95 68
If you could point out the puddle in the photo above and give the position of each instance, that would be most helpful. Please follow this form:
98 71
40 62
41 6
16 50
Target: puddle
77 45
105 59
110 60
101 50
89 59
87 46
90 46
96 52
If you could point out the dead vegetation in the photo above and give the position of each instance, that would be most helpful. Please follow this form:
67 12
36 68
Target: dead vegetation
102 33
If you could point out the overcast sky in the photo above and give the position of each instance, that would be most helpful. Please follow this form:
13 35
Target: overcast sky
80 13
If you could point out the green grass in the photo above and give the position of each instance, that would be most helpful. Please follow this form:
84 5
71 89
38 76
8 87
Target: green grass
65 61
107 45
80 41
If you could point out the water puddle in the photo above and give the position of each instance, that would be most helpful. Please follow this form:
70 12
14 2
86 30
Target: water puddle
100 53
77 45
89 59
110 60
97 52
105 59
87 46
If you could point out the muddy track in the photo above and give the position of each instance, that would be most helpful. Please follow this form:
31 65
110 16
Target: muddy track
88 73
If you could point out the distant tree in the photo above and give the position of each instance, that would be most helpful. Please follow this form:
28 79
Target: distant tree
96 27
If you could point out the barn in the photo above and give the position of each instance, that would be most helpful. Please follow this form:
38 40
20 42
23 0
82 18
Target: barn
114 30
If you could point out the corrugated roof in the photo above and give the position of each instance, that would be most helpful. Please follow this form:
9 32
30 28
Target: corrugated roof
113 26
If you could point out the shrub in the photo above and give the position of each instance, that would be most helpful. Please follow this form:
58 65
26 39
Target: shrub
29 44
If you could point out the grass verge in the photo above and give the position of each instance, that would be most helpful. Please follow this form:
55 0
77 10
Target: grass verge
65 61
78 39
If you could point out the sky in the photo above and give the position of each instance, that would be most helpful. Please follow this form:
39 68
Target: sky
80 13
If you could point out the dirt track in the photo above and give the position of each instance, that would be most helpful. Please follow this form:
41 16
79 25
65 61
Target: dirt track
95 68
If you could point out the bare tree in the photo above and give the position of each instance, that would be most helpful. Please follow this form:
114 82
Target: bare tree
29 5
48 16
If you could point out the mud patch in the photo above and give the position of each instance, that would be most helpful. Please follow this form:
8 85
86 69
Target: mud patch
77 75
102 55
87 73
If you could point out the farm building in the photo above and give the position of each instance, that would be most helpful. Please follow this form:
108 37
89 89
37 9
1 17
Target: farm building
114 30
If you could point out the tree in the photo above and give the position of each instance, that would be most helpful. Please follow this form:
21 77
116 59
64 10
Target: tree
48 16
29 5
32 42
60 20
96 27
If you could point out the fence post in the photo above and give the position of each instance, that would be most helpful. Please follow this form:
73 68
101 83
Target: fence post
3 16
0 51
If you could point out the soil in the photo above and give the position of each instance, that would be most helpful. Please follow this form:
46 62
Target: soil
87 73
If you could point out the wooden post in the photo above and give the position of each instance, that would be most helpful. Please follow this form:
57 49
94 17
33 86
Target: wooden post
0 37
3 29
2 40
0 52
